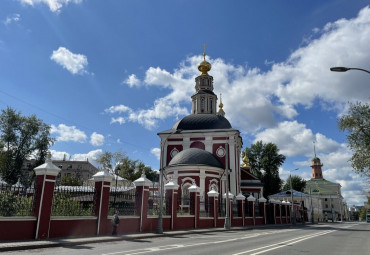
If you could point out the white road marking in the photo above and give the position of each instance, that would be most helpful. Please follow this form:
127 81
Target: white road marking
177 246
284 243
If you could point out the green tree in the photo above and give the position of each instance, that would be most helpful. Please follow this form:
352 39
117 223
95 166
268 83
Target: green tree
133 169
357 124
109 160
265 160
70 181
298 183
21 137
120 164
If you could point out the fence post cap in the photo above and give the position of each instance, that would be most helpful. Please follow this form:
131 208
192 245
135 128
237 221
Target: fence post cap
212 193
240 196
48 168
262 200
193 188
171 185
142 181
103 176
231 195
251 198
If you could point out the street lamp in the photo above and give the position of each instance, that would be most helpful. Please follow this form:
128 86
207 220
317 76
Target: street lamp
345 69
292 214
227 218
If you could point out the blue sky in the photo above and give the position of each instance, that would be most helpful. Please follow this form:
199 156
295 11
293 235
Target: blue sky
108 75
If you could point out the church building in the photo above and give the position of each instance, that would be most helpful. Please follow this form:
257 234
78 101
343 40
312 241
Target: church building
330 205
200 147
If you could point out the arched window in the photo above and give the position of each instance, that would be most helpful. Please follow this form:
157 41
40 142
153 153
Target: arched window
198 145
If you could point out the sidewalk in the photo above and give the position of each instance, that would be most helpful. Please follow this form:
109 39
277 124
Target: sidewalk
37 244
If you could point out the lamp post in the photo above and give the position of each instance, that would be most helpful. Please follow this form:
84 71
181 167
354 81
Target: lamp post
345 69
331 208
312 219
227 218
292 214
159 229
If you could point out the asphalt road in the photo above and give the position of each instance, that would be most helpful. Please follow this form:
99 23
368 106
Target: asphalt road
336 239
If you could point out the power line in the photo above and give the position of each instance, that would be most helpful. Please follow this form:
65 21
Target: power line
66 120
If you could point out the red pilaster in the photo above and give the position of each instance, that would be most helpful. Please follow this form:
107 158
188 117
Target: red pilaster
171 192
213 198
195 199
102 187
262 202
241 209
45 181
251 199
142 189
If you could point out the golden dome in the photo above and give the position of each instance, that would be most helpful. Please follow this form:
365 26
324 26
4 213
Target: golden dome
204 66
245 161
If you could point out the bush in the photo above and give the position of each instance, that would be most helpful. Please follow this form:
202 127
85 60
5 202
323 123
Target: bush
13 205
65 205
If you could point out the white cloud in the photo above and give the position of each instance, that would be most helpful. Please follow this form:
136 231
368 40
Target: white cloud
254 100
54 5
75 63
12 18
132 81
119 120
68 133
91 155
156 152
118 109
59 155
294 139
96 139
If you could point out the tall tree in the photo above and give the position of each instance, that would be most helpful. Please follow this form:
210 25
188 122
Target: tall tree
21 137
133 169
265 160
298 183
357 124
109 160
120 164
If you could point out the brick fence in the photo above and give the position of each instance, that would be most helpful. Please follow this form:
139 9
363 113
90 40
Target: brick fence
42 225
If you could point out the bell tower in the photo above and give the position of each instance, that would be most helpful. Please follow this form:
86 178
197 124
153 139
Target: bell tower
204 101
316 166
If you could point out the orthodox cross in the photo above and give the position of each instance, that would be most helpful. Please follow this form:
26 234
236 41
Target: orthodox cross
204 51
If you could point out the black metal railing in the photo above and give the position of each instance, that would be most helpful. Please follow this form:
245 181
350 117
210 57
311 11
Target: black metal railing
235 209
257 209
248 209
123 200
206 208
185 205
16 200
221 208
154 202
74 201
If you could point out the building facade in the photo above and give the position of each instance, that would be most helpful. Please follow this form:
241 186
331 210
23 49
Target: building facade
83 170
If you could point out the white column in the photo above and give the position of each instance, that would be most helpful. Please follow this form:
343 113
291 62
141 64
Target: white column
233 176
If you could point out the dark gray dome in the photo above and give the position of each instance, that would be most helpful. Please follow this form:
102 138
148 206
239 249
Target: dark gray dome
202 121
195 156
